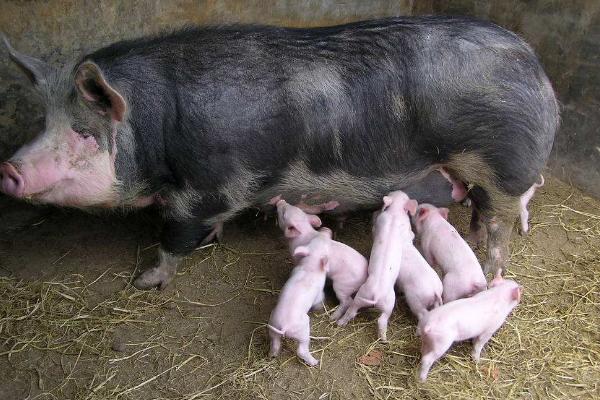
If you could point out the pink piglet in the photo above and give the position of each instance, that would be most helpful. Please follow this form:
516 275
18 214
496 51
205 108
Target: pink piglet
391 226
419 282
443 246
302 292
477 318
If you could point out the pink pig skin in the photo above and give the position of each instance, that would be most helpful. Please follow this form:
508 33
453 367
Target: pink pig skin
525 198
420 284
392 225
442 245
302 292
347 271
297 226
477 318
347 268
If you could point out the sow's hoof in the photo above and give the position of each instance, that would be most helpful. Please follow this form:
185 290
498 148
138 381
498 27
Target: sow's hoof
154 277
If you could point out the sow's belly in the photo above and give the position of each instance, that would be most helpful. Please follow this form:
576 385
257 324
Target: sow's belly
348 193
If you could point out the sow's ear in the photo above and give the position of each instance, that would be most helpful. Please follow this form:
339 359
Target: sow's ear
36 70
94 88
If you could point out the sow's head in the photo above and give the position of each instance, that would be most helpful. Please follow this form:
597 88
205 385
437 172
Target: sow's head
72 161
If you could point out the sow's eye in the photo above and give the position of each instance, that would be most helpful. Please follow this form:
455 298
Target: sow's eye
82 131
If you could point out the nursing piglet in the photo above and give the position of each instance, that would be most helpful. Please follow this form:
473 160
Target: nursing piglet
477 318
443 246
392 226
298 227
302 292
420 284
347 271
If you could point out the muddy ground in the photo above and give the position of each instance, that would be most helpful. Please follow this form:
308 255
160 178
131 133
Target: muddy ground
72 327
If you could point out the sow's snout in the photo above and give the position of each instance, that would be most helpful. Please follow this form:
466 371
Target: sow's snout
11 181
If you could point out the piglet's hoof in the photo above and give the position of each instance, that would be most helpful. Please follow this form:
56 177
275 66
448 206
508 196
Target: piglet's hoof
153 277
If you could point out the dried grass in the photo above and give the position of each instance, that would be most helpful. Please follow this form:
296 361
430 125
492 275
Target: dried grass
549 348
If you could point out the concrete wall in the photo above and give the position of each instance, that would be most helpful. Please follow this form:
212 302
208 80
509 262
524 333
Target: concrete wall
565 34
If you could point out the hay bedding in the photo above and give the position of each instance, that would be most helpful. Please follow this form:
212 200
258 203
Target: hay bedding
92 336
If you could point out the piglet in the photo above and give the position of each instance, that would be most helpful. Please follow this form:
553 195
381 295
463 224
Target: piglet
391 226
347 271
524 200
420 284
442 245
477 318
302 291
298 227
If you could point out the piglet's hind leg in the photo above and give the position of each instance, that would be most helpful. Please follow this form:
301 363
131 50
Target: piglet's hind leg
345 302
432 348
387 308
478 344
303 337
275 343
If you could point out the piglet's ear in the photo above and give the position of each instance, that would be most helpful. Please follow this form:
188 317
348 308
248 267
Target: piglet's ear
314 221
387 201
301 251
516 293
444 212
324 263
422 213
291 232
327 232
98 93
411 207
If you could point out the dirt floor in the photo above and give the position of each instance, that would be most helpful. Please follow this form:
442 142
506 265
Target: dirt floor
72 327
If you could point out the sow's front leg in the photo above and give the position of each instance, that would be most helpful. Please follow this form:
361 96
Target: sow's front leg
178 239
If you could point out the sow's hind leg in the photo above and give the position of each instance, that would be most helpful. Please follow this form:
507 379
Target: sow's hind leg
496 209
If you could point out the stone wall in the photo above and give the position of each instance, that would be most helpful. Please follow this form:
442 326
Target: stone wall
566 36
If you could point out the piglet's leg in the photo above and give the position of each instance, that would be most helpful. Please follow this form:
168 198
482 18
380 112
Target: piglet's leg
275 343
432 349
350 312
303 337
318 304
478 344
345 302
386 312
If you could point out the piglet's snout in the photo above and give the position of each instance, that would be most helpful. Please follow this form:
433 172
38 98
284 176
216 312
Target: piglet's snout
11 181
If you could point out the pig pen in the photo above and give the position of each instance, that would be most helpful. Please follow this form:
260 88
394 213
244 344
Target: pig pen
73 327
